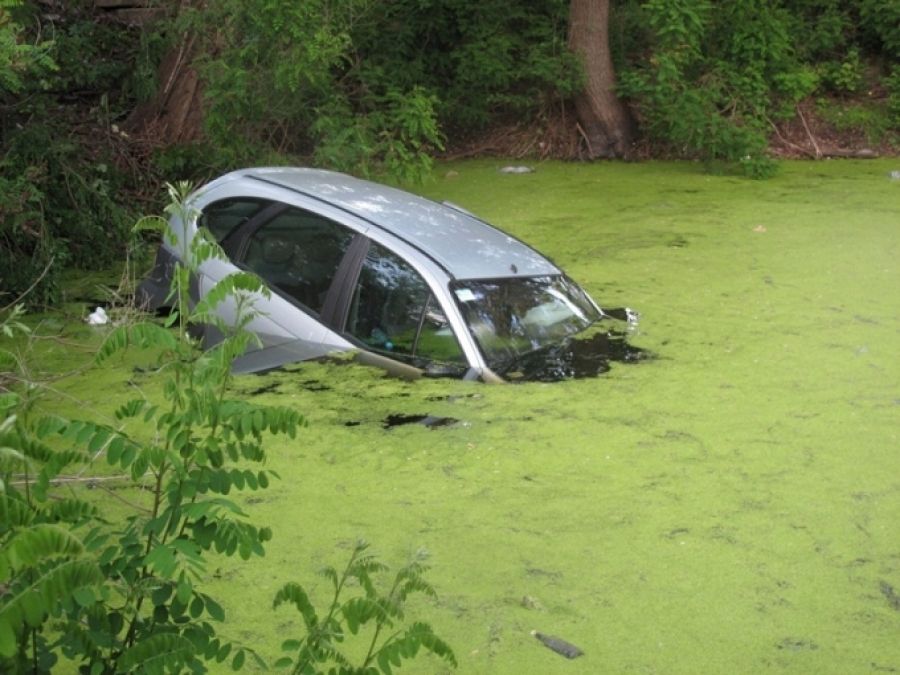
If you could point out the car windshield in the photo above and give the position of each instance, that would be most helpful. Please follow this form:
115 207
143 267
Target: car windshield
513 317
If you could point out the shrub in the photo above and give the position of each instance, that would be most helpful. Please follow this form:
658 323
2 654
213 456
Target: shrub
367 611
131 596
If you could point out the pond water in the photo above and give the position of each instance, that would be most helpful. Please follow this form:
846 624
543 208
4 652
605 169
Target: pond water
730 505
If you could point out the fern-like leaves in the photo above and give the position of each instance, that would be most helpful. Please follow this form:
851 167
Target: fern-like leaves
41 592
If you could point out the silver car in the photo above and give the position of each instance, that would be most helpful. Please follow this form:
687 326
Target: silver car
414 286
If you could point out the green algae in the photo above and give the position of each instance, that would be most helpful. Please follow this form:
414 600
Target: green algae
730 506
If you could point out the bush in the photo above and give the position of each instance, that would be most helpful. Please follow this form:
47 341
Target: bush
129 596
61 193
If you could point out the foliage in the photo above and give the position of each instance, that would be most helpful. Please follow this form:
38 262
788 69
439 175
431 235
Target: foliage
844 76
880 22
892 83
367 87
281 80
130 596
377 88
320 646
43 567
869 120
61 186
715 77
19 60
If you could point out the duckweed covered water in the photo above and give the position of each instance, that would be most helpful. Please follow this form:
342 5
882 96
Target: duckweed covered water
731 506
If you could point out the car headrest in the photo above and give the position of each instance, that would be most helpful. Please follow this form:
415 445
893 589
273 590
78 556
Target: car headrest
276 251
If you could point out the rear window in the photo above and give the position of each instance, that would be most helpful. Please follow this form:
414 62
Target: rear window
222 218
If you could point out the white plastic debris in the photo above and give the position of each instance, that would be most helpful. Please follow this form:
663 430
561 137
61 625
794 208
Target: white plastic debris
517 169
98 317
894 175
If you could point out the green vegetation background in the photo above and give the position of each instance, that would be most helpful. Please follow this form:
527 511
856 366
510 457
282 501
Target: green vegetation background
377 88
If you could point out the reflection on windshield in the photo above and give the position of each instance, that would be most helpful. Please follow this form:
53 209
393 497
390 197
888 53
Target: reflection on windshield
513 317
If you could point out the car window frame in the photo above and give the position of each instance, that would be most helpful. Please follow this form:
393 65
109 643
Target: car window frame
348 288
339 296
237 243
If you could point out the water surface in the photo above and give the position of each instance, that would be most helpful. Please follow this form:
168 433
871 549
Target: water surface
731 505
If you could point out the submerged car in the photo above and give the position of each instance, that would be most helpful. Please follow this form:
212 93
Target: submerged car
415 286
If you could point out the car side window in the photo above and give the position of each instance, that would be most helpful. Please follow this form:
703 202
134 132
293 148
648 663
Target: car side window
394 312
222 218
298 253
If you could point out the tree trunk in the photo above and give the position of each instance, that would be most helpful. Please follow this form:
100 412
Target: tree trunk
605 123
175 115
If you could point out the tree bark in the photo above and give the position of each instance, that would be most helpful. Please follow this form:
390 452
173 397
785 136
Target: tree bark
175 114
605 123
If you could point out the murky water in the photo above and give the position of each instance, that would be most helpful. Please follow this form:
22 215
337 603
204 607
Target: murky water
731 505
586 355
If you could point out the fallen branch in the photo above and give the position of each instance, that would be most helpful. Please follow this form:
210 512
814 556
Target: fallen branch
798 148
809 133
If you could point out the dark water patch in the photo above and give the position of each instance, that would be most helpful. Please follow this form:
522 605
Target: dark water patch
452 397
430 421
575 358
796 645
890 594
313 385
265 389
538 572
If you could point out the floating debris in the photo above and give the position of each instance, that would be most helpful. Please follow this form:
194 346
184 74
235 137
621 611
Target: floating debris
530 602
429 421
890 595
98 317
558 645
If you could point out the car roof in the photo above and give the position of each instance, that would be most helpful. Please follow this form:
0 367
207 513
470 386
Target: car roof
465 246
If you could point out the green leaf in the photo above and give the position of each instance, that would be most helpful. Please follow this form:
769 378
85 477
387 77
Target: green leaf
114 451
214 608
14 512
196 608
238 661
28 605
161 595
183 591
84 597
295 594
35 544
223 652
157 653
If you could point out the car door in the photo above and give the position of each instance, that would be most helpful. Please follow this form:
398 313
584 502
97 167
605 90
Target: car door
298 254
393 313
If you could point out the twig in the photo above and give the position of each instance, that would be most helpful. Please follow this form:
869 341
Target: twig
809 133
62 480
796 147
586 140
122 499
